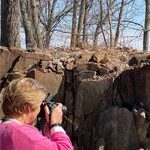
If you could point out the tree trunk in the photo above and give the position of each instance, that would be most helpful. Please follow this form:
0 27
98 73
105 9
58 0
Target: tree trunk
108 2
74 23
119 23
30 19
50 21
146 41
80 22
85 38
10 17
99 27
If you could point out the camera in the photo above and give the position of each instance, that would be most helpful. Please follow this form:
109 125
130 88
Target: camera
49 101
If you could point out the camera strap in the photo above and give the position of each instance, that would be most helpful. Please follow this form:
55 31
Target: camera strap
4 119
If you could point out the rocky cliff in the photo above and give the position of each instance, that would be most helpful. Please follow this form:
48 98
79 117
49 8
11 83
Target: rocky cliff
106 92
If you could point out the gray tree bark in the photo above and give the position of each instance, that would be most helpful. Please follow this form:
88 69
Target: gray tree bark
119 23
10 17
80 22
29 11
99 27
146 40
85 37
74 24
108 2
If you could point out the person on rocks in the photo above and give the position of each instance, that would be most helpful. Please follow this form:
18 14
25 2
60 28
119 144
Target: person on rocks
22 99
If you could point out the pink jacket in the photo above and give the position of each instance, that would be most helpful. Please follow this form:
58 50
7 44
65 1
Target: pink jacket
14 136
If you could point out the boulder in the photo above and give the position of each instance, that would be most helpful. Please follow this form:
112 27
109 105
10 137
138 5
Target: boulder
115 130
51 81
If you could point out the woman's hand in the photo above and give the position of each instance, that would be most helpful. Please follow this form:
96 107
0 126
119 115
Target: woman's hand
55 116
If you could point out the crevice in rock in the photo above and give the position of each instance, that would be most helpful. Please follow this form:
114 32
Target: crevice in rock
4 78
14 64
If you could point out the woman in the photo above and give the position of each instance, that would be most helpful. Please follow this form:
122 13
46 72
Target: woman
21 104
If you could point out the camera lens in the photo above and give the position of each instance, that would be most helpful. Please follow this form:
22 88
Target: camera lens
64 110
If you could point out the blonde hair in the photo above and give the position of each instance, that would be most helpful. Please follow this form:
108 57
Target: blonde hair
20 92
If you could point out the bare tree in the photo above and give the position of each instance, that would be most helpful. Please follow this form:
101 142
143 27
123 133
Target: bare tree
110 21
146 41
10 23
51 17
97 21
74 23
119 22
85 21
109 12
99 27
30 19
47 19
80 22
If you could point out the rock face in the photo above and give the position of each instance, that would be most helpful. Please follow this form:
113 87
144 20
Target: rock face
106 93
116 130
135 90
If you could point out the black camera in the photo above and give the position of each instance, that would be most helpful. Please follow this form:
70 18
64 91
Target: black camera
49 101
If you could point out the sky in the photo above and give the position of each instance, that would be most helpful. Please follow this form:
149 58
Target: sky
139 11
